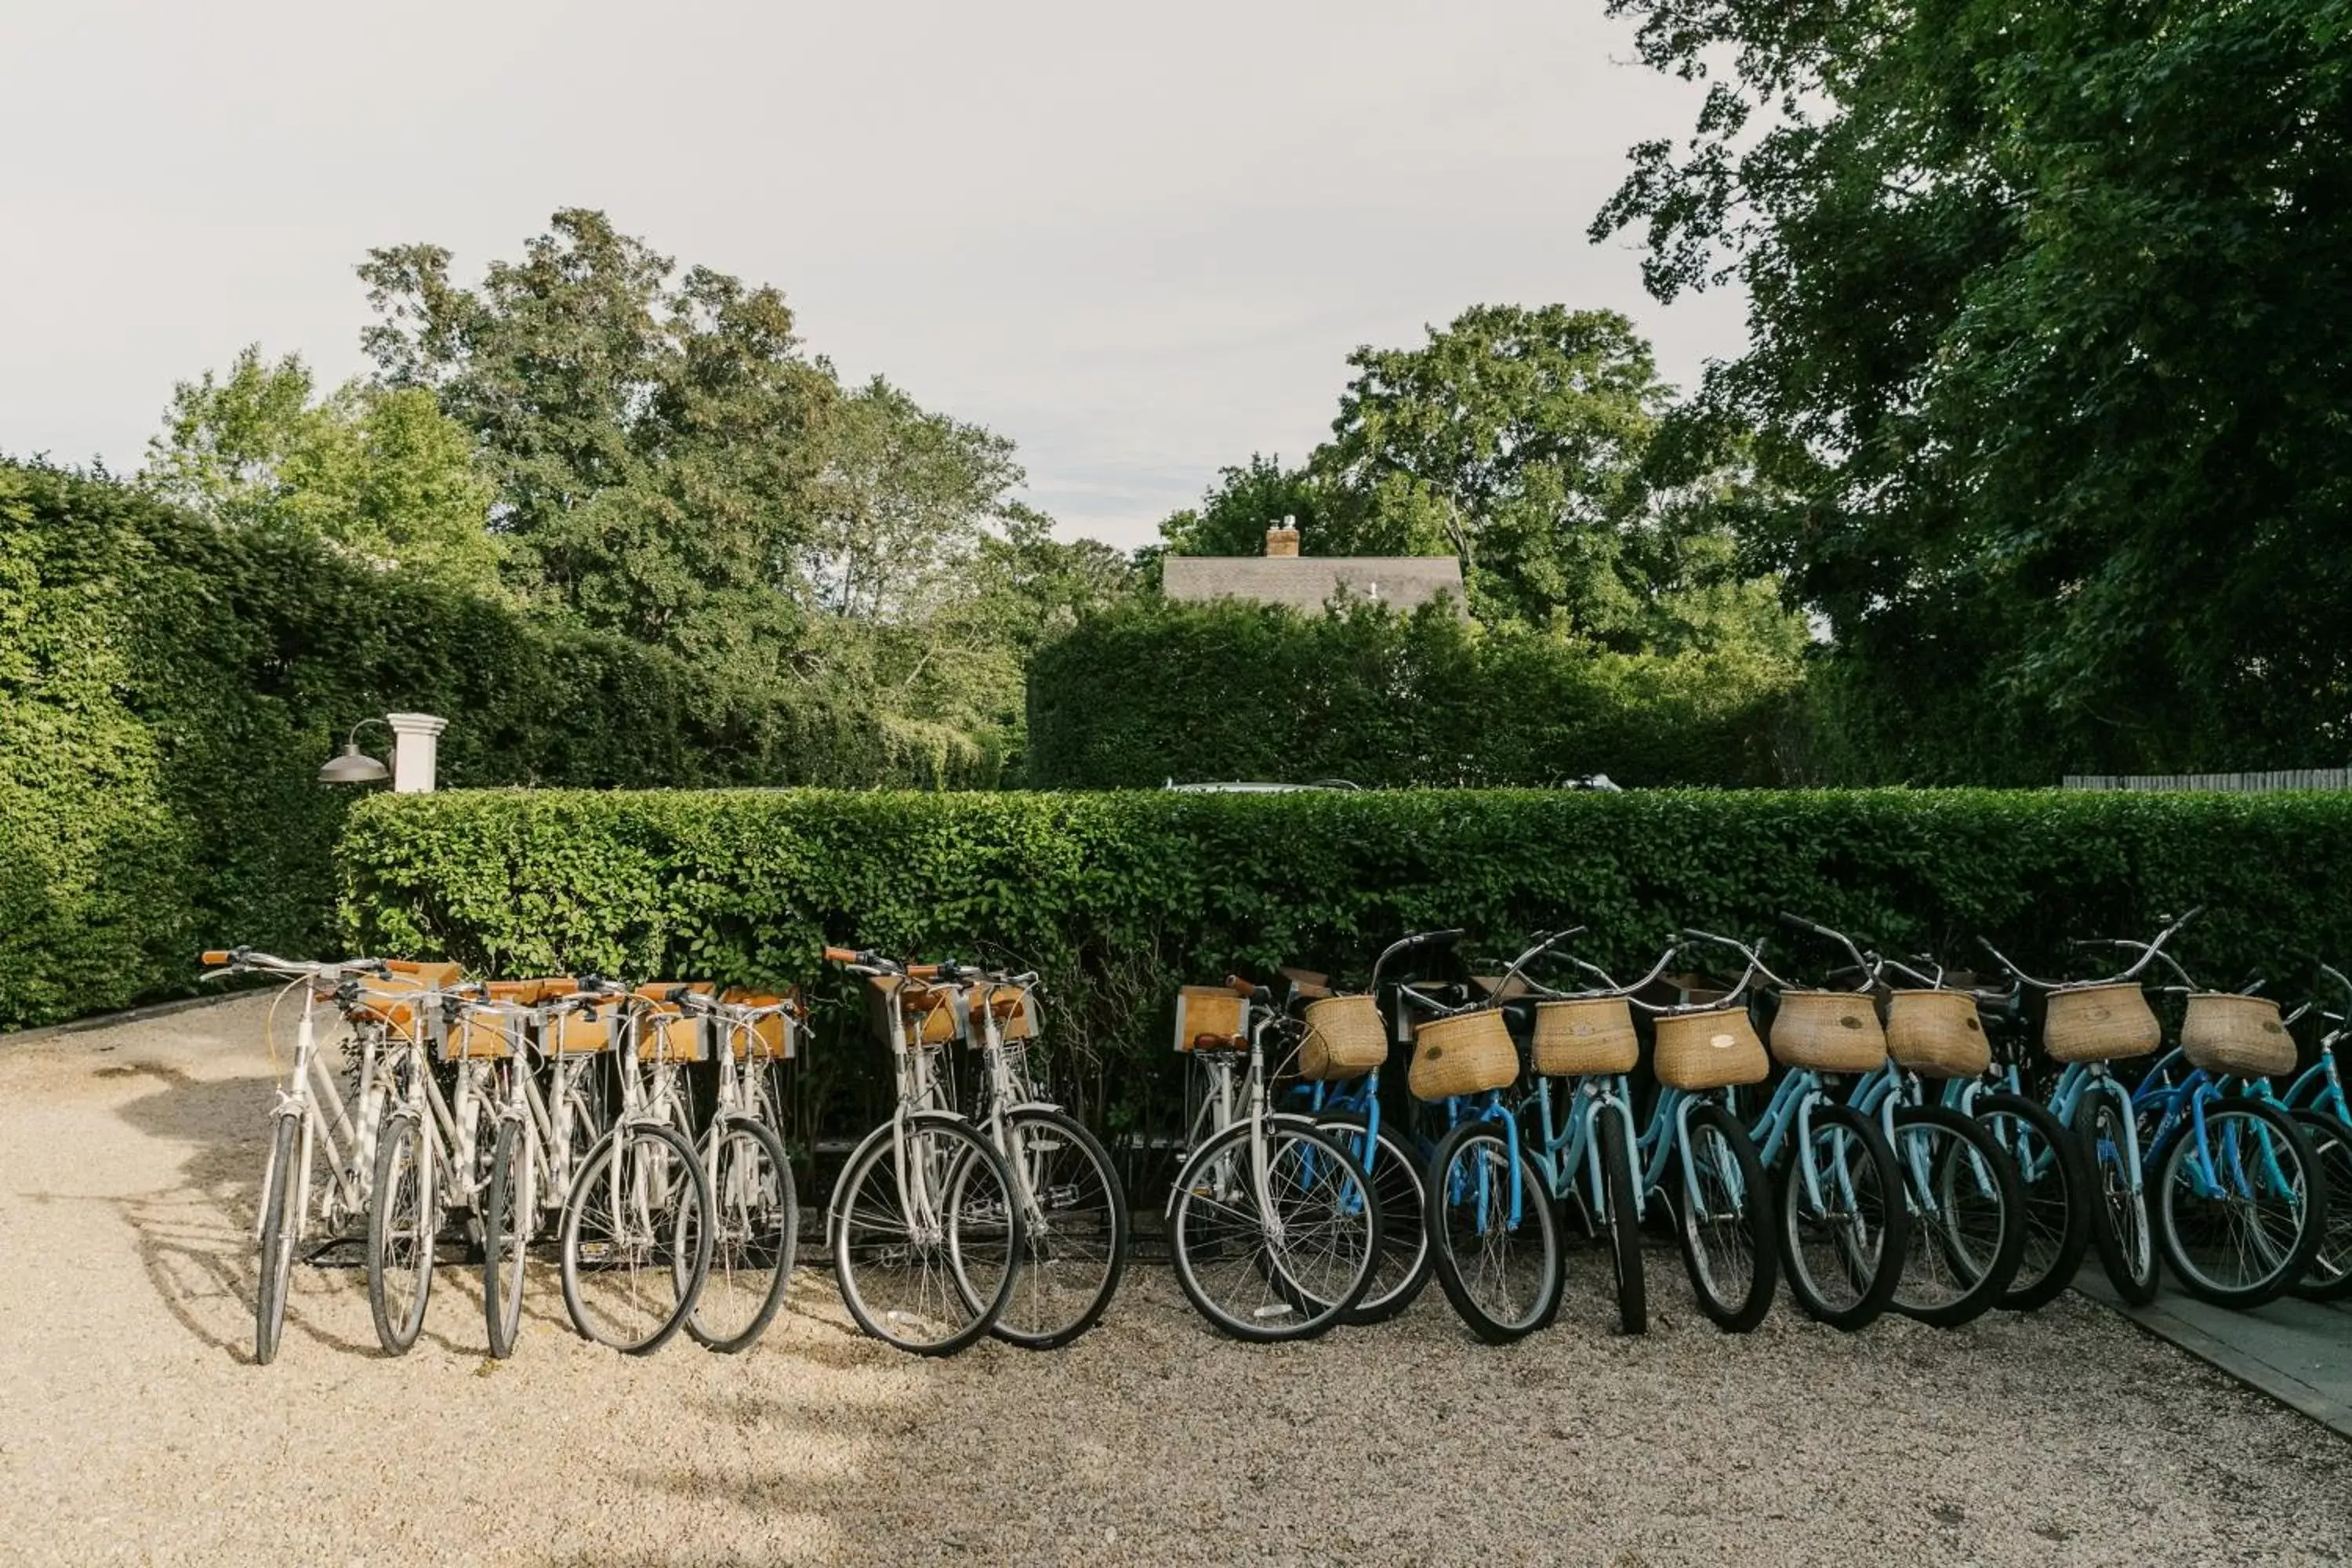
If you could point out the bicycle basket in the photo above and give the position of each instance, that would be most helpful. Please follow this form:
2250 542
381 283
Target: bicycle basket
2241 1035
1015 1011
1469 1053
666 1035
1827 1031
929 1009
1212 1018
1345 1038
775 1037
2099 1023
1936 1034
490 1036
1714 1049
1588 1034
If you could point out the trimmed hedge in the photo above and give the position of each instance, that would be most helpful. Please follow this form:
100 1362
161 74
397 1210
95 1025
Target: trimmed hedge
168 690
1156 690
1118 897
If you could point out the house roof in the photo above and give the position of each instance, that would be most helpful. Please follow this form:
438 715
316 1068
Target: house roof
1307 583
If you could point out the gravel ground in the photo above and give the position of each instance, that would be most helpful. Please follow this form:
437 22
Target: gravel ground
132 1425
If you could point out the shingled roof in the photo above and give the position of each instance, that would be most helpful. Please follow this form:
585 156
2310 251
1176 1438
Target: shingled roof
1307 583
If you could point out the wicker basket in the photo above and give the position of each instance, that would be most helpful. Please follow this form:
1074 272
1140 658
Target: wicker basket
1212 1018
1714 1049
1345 1038
1594 1034
2241 1036
1827 1031
1936 1034
2099 1023
1469 1053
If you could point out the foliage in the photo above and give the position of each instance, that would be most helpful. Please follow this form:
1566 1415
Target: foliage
2047 306
169 686
378 472
1116 898
1157 690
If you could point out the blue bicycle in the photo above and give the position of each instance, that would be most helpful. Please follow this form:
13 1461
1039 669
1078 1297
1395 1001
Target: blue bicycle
2316 1099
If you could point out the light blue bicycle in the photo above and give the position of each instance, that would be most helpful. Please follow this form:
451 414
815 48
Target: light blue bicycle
2316 1098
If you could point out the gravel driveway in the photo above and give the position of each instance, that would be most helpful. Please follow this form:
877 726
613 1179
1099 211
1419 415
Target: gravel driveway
133 1427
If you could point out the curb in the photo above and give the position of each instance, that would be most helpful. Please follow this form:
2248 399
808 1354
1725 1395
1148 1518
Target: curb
109 1020
2248 1371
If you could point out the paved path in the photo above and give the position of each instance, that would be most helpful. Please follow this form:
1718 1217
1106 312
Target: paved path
2299 1353
134 1428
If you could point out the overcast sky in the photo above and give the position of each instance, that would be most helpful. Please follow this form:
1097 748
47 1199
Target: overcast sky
1139 241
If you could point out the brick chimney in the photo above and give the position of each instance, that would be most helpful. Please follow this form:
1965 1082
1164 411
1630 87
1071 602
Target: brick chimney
1282 543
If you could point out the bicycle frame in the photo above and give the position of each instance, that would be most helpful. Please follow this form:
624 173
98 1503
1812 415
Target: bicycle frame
1567 1145
311 1095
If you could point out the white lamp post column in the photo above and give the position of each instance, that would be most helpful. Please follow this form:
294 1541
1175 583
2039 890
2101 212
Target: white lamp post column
416 751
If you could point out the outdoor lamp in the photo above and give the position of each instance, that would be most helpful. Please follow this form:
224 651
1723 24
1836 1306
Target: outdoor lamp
353 765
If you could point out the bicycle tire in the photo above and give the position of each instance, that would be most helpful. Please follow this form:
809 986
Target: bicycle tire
507 1206
401 1205
754 1237
1969 1170
2329 1277
2286 1260
2121 1231
1497 1309
873 1237
1619 1184
1039 1313
1849 1244
1401 1272
277 1233
663 1174
2054 1190
1736 1238
1211 1221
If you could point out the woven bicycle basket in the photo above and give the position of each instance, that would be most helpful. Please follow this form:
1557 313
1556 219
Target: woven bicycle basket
1345 1038
2237 1034
1592 1035
2099 1023
1469 1053
1936 1034
1211 1017
1827 1031
1714 1049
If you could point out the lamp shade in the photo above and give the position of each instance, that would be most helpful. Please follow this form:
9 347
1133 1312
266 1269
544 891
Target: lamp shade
353 766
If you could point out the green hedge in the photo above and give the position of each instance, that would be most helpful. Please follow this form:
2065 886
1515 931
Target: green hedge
1157 690
1118 897
168 690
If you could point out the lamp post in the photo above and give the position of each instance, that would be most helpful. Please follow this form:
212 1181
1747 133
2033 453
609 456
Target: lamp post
351 766
415 754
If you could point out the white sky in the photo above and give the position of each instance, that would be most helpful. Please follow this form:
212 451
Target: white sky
1141 243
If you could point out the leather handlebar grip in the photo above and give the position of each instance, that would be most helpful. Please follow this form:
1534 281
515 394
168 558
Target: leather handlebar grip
841 955
1242 987
212 957
921 971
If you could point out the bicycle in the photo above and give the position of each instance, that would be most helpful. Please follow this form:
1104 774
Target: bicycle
755 1232
1273 1228
1962 1197
1493 1228
2088 1024
409 1198
1843 1221
2316 1098
924 1229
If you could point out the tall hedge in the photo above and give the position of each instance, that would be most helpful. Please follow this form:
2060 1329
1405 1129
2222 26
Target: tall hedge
168 690
1118 897
1155 690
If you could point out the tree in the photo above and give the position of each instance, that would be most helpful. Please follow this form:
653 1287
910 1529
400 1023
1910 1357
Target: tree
2049 328
376 471
1235 513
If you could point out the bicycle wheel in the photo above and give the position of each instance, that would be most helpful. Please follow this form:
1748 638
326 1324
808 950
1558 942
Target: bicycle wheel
1843 1227
1725 1226
2053 1193
1967 1227
403 1222
1401 1270
2120 1227
2241 1205
1494 1233
1286 1266
2329 1277
1073 1231
281 1209
925 1213
1622 1220
755 1231
508 1206
636 1238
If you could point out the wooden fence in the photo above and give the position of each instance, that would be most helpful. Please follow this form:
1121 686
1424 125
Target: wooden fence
2233 784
